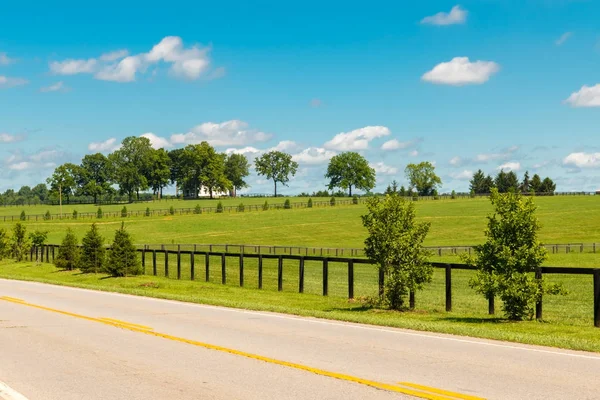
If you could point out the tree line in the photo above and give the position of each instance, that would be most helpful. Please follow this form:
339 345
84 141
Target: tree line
509 182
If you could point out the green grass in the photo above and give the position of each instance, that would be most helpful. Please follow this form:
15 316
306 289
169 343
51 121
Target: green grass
568 320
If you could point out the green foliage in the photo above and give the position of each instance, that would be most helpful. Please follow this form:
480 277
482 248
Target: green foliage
20 243
241 207
38 238
265 206
219 207
123 260
276 166
130 164
509 257
506 182
63 181
124 212
4 244
350 169
99 213
422 177
536 183
355 199
160 171
472 194
395 244
172 210
310 203
236 169
93 176
481 184
75 214
47 216
23 217
332 201
197 209
93 253
199 165
453 195
287 205
148 212
68 252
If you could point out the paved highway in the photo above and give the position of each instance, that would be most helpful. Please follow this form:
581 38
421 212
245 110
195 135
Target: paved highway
65 343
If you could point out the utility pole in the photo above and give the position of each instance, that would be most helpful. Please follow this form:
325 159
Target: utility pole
60 199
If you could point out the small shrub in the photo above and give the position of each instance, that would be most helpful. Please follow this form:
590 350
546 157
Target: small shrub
453 195
23 217
4 243
172 210
123 260
332 201
220 207
287 205
99 213
310 203
124 212
75 214
472 194
241 207
47 216
38 238
266 206
147 214
20 243
415 197
435 194
355 199
68 252
198 209
92 252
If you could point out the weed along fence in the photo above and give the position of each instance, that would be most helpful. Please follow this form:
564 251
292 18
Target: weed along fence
344 277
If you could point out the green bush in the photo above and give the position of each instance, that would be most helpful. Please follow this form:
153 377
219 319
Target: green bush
123 260
310 203
453 195
47 216
92 252
415 197
19 244
332 201
4 244
148 213
23 217
355 199
198 209
172 210
124 212
99 213
472 194
287 205
75 214
266 206
68 252
241 207
220 207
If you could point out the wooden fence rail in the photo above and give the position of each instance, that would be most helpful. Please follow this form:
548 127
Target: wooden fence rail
47 253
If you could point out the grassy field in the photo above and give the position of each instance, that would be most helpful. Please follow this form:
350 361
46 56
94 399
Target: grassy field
568 321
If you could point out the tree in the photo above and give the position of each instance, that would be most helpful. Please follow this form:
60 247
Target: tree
131 165
123 260
94 177
201 166
506 182
38 238
177 173
40 191
547 186
511 253
536 183
215 179
4 244
525 185
276 166
20 243
93 253
62 182
395 244
350 169
422 177
68 252
236 169
478 184
160 171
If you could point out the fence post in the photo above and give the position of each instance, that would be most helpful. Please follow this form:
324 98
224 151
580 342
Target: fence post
207 266
280 273
411 300
597 298
192 262
491 304
350 279
144 259
260 271
30 254
53 253
325 276
448 288
178 264
538 304
154 262
223 270
301 276
241 270
381 282
42 253
47 254
167 263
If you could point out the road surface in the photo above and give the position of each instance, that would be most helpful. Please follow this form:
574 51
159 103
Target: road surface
65 343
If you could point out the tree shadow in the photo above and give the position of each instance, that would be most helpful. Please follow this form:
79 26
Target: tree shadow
475 320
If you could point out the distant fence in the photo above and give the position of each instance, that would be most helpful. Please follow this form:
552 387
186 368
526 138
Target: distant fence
344 269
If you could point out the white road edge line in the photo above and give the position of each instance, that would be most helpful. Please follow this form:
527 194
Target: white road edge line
314 320
7 393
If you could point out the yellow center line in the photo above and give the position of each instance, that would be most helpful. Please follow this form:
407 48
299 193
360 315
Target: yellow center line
349 378
440 391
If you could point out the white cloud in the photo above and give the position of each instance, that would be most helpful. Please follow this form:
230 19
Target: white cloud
245 150
45 156
5 59
73 67
413 153
123 71
157 142
8 82
114 55
456 161
57 87
510 166
228 133
8 138
187 63
286 145
20 166
503 155
314 156
383 169
563 38
395 144
460 71
357 139
583 160
465 175
104 147
457 15
587 96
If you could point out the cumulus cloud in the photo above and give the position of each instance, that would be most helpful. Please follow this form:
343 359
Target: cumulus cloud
395 144
314 156
563 38
156 141
8 82
104 147
465 175
357 139
248 150
114 55
457 15
384 169
460 71
587 96
228 133
582 160
509 166
5 59
502 155
8 138
73 67
56 87
286 145
456 161
37 162
123 71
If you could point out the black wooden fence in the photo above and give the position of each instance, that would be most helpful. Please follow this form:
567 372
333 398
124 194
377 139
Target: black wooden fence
47 253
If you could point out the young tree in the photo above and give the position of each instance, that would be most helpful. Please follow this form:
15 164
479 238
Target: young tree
236 169
20 243
548 186
509 257
62 182
38 238
68 252
123 260
525 185
131 165
276 166
422 177
92 251
350 169
4 244
395 244
536 183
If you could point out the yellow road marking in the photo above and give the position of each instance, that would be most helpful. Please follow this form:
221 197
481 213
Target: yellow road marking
316 371
440 391
117 321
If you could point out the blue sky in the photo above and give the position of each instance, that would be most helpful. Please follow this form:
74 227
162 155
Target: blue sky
477 84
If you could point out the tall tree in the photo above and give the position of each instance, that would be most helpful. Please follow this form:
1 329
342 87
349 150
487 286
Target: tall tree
422 177
41 191
477 183
160 171
536 183
201 166
94 176
506 182
350 169
177 168
214 178
524 187
488 184
236 169
131 164
62 182
276 166
548 186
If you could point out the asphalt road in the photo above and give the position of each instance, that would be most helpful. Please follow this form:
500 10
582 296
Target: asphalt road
64 343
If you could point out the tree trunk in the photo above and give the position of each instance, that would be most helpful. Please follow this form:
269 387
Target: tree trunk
210 191
275 188
350 191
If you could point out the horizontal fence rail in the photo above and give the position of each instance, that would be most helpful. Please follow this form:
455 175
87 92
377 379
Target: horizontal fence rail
239 261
